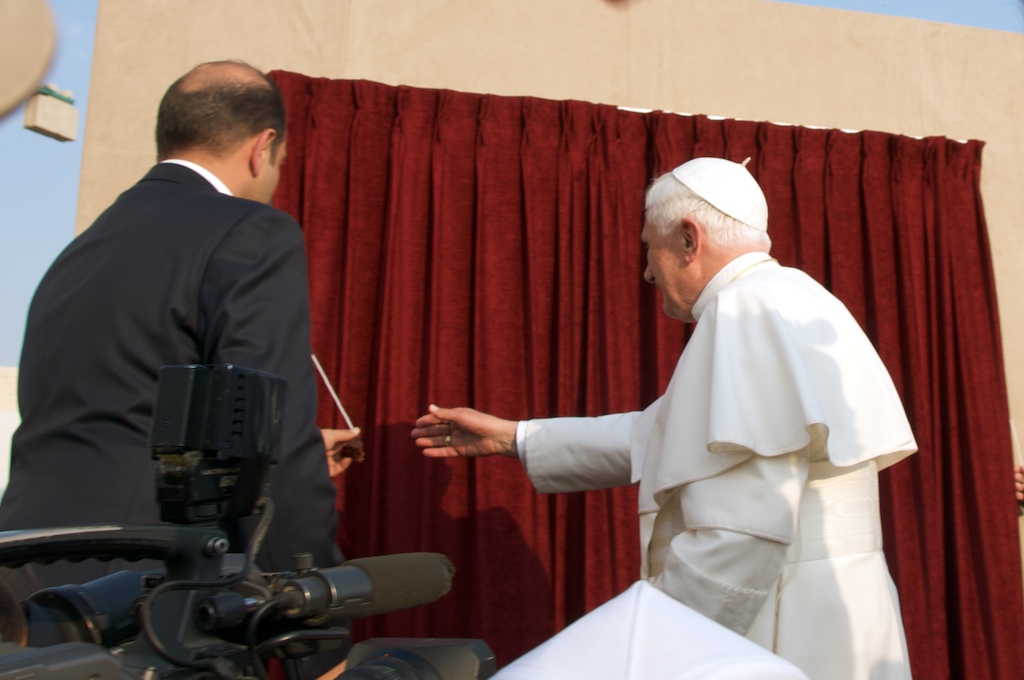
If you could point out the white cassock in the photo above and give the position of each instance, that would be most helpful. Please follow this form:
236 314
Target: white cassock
758 472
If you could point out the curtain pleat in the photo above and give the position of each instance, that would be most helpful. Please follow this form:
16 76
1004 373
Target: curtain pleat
480 250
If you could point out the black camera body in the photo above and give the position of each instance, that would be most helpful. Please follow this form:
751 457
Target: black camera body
73 627
208 615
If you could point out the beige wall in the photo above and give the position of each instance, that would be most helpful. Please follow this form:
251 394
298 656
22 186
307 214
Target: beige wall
747 59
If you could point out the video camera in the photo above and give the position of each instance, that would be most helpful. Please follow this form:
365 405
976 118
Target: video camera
208 614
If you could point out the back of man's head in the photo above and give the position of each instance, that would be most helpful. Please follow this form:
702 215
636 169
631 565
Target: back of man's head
216 106
721 195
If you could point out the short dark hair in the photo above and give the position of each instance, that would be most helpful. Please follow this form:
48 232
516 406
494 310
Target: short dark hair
214 110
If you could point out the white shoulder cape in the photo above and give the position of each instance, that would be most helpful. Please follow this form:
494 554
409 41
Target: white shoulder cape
775 364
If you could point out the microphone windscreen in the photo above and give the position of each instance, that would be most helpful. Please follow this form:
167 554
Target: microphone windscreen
405 580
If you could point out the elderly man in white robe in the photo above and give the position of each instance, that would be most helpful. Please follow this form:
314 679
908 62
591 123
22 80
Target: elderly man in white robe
758 467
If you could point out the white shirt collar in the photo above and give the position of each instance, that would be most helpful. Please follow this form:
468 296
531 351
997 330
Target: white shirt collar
726 275
206 174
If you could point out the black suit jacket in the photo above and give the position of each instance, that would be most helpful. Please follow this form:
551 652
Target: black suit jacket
172 273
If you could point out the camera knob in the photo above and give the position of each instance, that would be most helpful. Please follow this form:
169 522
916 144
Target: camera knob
216 546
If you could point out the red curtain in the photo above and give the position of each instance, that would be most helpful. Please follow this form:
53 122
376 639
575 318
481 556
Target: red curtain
480 250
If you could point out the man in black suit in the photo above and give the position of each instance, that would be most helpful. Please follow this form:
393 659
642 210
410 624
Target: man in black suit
191 265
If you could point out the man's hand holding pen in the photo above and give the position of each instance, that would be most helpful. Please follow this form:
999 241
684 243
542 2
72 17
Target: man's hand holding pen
342 447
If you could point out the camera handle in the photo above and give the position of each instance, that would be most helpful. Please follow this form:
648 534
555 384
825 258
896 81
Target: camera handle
189 552
191 555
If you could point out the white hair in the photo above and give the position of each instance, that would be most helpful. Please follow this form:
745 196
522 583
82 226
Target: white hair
669 202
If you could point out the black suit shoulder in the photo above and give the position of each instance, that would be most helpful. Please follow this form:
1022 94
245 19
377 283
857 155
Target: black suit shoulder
174 202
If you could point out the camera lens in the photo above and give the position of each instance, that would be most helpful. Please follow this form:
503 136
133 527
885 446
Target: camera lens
99 611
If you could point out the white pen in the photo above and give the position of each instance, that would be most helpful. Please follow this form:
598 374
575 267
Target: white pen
334 395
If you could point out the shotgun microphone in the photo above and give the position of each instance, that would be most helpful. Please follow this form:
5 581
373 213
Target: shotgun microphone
367 586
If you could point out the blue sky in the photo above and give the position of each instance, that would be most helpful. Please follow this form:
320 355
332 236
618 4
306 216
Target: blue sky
39 175
39 178
1001 15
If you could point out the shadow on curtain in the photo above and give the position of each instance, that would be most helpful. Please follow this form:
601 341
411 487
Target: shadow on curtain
482 250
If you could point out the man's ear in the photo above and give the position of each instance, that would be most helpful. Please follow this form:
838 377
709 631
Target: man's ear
260 150
692 237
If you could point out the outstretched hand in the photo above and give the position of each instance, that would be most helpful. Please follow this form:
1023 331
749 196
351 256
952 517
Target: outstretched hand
445 432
